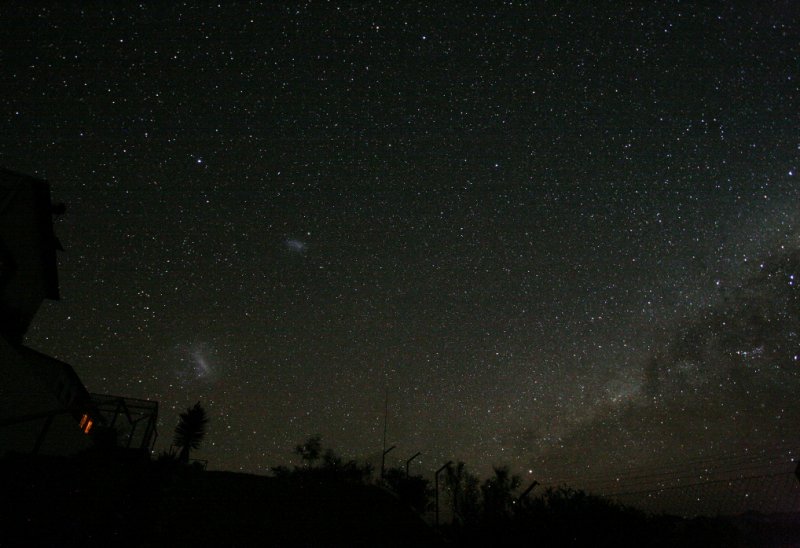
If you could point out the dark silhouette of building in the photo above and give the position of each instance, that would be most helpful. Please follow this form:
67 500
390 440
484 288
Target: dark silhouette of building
44 406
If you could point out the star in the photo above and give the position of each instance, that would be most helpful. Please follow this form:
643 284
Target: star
557 260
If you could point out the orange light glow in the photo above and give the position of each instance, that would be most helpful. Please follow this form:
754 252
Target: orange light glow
86 423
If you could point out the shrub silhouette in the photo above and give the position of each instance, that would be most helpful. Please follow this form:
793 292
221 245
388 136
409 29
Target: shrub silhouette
332 466
415 491
465 490
498 493
310 451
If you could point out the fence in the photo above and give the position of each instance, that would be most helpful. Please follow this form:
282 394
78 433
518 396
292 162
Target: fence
723 485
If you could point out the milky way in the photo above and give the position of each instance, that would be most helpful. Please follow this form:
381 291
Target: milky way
549 231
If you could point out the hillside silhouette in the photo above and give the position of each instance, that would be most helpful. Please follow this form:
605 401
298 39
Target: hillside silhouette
112 502
118 499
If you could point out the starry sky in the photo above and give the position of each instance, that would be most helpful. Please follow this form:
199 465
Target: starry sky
563 235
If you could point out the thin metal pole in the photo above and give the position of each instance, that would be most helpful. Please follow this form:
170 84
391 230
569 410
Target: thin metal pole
436 482
383 460
385 419
385 426
528 490
418 453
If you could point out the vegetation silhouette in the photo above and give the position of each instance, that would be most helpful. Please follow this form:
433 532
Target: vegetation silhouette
190 431
498 494
558 517
415 491
310 451
326 500
465 490
331 466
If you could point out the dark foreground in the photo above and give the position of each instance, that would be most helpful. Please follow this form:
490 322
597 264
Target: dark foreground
129 502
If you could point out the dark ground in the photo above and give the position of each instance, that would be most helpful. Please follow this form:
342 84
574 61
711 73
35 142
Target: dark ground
95 501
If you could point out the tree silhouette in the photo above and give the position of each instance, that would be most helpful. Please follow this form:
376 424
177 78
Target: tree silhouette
464 487
498 493
310 451
331 466
190 431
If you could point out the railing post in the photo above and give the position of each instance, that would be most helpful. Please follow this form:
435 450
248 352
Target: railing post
418 453
436 482
383 460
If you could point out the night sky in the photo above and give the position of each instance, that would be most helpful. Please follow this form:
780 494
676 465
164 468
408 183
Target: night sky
563 235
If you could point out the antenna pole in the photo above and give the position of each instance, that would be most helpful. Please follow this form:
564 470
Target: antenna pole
385 416
385 423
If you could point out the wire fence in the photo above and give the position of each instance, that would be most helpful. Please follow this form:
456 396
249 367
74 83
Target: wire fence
711 486
768 493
